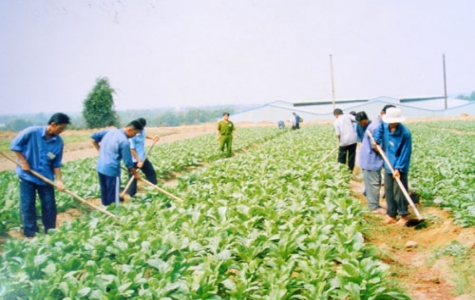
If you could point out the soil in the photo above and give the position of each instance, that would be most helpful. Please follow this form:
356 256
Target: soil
419 268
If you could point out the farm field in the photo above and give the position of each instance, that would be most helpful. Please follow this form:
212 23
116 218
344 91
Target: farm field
272 222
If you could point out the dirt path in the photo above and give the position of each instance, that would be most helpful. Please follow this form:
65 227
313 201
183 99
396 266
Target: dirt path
424 272
78 150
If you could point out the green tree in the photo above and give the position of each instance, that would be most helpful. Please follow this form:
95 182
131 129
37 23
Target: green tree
98 108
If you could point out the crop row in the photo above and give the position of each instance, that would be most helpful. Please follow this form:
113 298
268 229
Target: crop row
80 176
443 170
462 126
275 222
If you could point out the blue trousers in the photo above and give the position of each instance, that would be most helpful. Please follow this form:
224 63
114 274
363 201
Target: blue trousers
397 203
149 171
28 191
109 189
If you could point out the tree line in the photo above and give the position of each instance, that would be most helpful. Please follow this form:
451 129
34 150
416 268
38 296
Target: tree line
470 97
98 112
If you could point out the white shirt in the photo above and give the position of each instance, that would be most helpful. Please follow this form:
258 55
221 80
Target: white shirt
344 128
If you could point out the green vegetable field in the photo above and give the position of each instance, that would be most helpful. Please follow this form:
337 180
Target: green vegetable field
275 221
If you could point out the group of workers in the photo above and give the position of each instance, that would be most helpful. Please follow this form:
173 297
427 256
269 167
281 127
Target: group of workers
40 149
385 133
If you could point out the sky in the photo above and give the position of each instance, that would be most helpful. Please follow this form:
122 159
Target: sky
178 53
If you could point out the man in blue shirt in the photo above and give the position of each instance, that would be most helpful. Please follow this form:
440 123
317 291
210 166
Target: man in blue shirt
97 137
362 121
137 148
371 162
296 121
114 147
397 145
39 148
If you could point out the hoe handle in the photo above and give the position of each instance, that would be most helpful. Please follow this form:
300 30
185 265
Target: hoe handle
65 190
398 180
132 178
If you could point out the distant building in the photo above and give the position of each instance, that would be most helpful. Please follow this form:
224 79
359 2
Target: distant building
323 110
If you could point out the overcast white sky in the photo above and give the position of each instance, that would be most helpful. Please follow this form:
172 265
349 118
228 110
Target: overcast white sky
205 52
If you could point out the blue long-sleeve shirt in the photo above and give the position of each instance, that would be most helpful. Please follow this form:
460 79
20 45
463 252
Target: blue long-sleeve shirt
369 159
42 155
397 146
97 136
114 147
360 130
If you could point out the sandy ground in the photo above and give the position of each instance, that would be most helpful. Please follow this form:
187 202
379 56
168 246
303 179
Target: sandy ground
424 275
77 150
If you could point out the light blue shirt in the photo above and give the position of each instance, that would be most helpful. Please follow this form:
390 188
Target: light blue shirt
42 155
97 136
114 147
138 144
369 159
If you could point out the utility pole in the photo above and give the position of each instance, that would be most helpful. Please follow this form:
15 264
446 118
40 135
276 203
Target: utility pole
333 83
445 80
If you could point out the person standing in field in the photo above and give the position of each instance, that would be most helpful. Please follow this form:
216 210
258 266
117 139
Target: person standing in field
226 134
363 122
347 138
397 145
137 148
114 147
371 162
39 148
295 121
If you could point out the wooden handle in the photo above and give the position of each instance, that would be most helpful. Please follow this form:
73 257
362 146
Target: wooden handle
65 190
162 190
398 180
328 155
132 178
127 186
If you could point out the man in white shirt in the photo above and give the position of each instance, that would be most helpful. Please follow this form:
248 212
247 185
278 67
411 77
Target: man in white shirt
347 138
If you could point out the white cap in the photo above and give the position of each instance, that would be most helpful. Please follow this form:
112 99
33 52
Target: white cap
393 115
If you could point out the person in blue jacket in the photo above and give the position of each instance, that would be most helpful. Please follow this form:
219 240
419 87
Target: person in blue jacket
397 145
39 148
114 147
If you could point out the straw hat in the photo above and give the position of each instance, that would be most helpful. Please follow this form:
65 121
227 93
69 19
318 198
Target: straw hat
393 115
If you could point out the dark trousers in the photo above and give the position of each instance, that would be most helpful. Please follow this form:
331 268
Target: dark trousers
350 151
397 203
28 191
109 188
149 171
